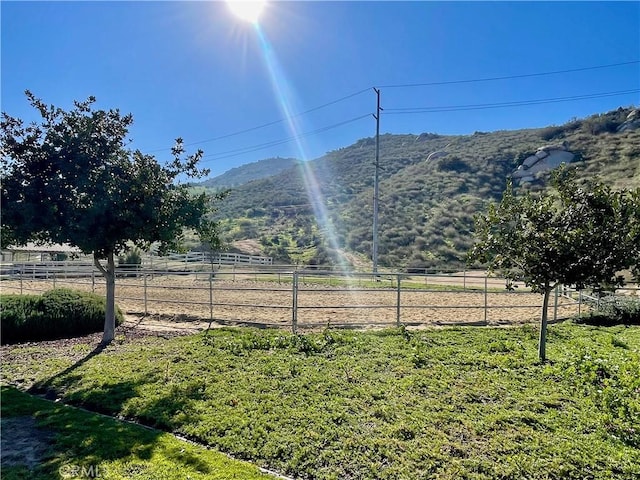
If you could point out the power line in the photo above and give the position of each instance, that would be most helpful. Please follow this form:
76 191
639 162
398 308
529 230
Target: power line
262 146
510 77
275 122
288 139
485 106
359 92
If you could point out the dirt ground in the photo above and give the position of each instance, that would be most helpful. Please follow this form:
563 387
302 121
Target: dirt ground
189 301
23 443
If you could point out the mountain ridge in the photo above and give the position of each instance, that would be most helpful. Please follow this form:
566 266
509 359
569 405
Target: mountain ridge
248 172
430 188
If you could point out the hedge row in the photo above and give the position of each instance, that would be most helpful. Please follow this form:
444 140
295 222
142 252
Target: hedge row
58 313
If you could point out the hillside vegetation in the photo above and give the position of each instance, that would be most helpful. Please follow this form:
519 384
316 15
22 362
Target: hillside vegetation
252 171
426 204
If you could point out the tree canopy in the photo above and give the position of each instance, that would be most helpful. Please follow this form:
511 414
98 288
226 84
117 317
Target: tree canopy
579 233
71 179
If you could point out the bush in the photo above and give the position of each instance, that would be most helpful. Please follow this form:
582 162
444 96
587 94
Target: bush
130 263
615 310
58 313
551 133
132 257
605 123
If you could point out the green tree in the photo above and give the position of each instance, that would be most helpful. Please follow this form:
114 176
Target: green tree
71 179
574 234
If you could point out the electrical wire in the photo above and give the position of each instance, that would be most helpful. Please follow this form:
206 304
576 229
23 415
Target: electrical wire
275 122
262 146
485 106
359 92
509 77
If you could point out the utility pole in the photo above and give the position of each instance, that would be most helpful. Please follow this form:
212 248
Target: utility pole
376 185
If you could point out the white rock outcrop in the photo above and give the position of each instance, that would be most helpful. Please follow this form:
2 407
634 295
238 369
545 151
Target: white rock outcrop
546 158
631 123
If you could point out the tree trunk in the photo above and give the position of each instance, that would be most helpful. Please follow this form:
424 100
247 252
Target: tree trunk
542 345
110 312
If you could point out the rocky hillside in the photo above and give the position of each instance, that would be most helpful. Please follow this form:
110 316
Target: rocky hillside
430 188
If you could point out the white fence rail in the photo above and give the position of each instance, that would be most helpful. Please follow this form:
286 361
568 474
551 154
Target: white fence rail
148 260
302 299
221 258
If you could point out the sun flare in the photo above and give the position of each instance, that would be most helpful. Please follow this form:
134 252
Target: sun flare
246 9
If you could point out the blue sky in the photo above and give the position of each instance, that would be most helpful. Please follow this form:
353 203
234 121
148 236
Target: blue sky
192 69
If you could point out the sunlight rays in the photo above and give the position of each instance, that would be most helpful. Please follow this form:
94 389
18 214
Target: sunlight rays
285 96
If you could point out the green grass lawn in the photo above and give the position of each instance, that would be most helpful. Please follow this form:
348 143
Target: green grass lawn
87 445
395 404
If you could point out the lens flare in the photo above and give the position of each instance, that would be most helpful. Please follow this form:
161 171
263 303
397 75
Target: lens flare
285 96
249 11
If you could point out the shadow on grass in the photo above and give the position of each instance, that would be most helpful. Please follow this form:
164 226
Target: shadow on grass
110 398
86 442
42 387
597 320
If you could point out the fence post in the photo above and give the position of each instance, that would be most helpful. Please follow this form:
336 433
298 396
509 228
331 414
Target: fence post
93 281
486 295
145 294
294 318
21 273
579 303
54 278
398 303
555 304
211 297
464 279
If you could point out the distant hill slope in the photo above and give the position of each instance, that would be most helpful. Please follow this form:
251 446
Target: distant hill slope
430 188
247 173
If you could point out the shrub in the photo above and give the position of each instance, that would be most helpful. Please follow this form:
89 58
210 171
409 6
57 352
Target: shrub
605 123
130 263
551 133
58 313
453 164
132 257
615 310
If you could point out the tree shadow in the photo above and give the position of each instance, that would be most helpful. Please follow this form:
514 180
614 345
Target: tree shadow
599 320
109 397
83 441
133 438
43 388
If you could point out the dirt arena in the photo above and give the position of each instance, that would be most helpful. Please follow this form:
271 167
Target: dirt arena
189 298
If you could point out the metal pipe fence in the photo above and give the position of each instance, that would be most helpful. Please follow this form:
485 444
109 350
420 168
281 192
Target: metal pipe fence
301 299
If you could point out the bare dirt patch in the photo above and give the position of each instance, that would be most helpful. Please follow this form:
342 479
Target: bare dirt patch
23 442
249 246
165 324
